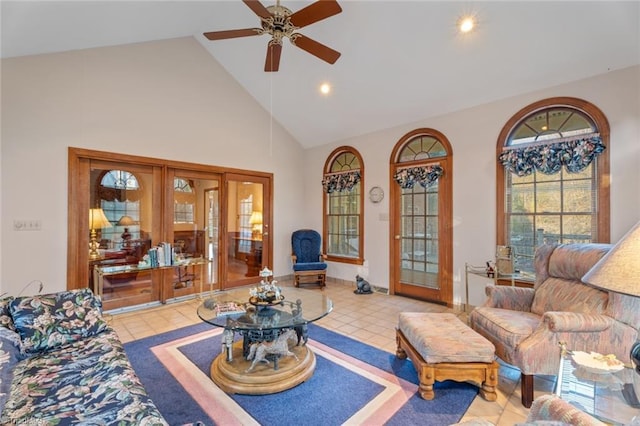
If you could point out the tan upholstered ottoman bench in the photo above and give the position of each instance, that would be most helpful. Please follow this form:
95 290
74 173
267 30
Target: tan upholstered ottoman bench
442 347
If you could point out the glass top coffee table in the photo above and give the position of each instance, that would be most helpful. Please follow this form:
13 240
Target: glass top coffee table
608 396
271 353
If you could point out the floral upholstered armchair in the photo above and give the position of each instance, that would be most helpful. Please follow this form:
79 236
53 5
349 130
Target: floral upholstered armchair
526 324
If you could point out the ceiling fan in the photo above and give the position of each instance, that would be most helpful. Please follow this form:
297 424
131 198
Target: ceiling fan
280 22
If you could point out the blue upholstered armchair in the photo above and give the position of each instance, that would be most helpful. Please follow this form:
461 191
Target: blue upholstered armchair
307 258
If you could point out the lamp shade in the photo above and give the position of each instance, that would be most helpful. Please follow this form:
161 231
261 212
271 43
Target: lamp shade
97 219
126 221
256 218
619 269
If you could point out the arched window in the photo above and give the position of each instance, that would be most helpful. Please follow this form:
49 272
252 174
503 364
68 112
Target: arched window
343 218
552 177
119 193
184 201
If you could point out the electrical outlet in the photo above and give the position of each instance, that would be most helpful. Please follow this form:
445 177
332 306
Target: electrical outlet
27 225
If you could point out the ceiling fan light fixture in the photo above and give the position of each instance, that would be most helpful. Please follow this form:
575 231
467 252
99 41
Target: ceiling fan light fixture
279 22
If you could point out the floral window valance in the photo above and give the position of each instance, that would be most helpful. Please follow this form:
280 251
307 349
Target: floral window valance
119 194
575 154
425 176
342 181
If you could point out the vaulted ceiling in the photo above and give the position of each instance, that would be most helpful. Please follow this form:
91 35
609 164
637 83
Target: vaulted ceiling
402 61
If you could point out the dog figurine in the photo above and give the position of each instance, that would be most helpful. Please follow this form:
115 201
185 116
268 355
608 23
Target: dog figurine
363 286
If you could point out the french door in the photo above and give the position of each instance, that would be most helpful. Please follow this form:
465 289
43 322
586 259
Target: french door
123 207
194 219
421 215
247 228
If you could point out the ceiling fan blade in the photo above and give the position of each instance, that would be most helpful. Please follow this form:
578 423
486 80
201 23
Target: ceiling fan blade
257 8
272 63
221 35
317 49
315 12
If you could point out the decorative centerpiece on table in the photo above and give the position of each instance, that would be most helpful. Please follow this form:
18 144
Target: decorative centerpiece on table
267 293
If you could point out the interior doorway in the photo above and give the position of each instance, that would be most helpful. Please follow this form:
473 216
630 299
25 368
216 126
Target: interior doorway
248 224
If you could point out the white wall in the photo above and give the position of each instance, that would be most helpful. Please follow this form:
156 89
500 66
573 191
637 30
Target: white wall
167 99
171 99
473 135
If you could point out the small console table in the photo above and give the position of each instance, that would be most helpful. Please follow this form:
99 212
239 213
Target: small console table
101 272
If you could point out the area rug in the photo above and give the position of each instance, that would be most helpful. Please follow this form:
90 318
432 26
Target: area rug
353 384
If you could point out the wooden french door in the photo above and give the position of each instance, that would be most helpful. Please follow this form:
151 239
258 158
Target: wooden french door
421 213
193 219
208 213
247 228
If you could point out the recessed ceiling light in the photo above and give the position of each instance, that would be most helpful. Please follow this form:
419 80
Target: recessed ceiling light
325 88
466 24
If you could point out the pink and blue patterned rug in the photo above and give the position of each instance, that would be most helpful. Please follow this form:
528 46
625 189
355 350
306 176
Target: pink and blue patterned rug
353 384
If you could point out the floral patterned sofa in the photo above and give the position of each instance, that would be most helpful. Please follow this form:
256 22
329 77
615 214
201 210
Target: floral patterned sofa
526 324
60 363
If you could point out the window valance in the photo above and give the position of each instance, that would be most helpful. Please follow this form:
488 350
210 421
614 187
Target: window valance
575 154
341 181
119 194
425 176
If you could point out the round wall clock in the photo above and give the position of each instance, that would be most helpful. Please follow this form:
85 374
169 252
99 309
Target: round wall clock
376 194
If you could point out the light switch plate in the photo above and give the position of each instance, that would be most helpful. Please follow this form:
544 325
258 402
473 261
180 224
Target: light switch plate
27 225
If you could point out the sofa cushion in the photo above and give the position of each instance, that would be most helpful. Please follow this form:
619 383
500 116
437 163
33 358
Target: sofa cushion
503 326
5 315
558 294
572 261
312 266
442 337
9 357
87 382
624 308
52 320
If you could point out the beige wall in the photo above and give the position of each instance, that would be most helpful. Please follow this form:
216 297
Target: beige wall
167 99
473 135
171 99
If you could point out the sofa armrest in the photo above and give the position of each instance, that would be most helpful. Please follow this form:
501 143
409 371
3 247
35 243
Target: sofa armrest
552 407
576 322
512 298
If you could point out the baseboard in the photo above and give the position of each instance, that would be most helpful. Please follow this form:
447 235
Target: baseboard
381 290
340 281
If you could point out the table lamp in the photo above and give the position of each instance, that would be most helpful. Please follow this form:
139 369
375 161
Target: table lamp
97 220
126 221
256 221
619 271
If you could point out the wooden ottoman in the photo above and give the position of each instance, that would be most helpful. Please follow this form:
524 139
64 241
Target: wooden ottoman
442 347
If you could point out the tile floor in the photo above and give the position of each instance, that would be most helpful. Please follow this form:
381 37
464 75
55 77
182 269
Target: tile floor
368 318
